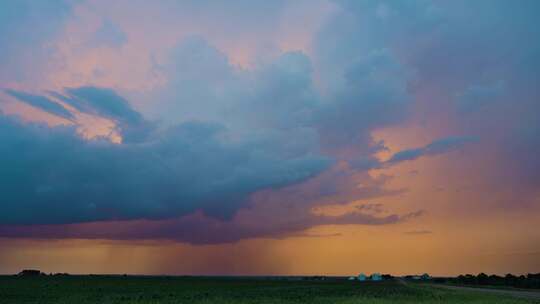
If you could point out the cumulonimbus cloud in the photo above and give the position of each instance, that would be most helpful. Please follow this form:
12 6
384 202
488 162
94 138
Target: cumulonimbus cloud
230 131
52 175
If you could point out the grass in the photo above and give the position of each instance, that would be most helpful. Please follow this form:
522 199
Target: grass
109 289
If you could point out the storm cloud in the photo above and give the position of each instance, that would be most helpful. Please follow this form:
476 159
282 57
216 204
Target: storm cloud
52 175
214 104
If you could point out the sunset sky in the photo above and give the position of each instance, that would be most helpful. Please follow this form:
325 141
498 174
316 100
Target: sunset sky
270 137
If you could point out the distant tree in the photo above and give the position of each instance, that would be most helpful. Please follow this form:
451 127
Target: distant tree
31 272
529 281
470 279
495 280
533 280
482 279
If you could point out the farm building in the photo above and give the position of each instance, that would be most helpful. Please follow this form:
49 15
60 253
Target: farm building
424 277
376 277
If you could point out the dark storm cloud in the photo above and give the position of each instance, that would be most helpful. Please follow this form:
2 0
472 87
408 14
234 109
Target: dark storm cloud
436 147
107 103
43 103
103 102
51 175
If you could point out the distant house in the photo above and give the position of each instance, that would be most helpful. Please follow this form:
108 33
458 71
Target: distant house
422 277
362 277
352 278
376 277
30 272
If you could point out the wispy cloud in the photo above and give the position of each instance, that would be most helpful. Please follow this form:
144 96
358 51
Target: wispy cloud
436 147
43 103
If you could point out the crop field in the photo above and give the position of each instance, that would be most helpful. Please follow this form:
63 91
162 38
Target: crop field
131 289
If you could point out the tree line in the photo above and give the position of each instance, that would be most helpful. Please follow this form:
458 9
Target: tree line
531 280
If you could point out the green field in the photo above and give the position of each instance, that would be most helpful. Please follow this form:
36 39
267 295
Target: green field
108 289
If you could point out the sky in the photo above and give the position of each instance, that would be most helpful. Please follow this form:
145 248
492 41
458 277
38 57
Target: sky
270 137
